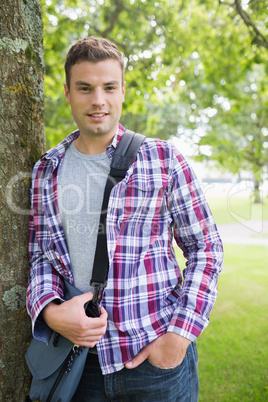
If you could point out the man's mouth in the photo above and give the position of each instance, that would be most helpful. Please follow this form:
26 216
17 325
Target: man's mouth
97 114
97 117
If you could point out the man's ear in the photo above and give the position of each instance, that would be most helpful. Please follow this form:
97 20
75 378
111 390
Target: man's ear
67 93
124 89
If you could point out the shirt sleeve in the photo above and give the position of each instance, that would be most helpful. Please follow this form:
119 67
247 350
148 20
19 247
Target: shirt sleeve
196 234
44 284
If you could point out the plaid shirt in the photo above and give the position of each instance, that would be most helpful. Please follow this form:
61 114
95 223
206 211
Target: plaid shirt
158 200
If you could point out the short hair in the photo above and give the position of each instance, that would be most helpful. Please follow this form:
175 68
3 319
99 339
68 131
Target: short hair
92 50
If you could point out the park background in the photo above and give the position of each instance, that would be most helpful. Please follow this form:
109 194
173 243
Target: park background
196 73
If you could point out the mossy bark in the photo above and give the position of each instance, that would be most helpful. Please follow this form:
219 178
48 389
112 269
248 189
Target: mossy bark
21 144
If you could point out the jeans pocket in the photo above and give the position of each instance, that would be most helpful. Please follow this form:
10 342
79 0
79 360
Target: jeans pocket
165 369
195 352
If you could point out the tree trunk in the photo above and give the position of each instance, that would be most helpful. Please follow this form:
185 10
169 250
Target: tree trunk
257 192
21 144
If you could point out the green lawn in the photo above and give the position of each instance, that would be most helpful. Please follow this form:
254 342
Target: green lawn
233 350
229 210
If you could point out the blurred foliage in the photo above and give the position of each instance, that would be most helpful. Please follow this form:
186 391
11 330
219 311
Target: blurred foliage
194 68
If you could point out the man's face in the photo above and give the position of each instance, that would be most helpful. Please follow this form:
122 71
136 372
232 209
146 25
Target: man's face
96 95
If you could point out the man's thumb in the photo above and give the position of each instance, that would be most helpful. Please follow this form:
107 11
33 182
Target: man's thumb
86 297
137 360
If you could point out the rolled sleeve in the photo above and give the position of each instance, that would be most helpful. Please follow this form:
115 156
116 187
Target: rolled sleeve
44 286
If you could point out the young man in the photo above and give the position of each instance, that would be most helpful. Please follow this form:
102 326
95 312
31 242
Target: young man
150 318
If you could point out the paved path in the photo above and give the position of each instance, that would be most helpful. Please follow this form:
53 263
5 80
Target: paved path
246 232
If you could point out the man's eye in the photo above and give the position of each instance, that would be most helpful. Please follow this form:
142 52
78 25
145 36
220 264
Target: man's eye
84 89
110 88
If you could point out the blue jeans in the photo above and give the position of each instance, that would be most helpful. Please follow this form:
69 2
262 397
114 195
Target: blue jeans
146 383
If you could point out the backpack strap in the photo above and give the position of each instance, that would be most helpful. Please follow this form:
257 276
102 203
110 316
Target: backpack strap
123 158
125 153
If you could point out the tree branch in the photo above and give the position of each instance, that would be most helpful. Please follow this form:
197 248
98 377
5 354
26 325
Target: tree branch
258 37
224 3
112 22
114 18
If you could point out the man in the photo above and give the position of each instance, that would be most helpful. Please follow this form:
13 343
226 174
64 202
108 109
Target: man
149 317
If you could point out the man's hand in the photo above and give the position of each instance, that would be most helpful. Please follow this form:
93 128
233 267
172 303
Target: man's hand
166 351
70 320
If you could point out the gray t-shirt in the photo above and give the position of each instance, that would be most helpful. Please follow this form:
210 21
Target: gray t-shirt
81 184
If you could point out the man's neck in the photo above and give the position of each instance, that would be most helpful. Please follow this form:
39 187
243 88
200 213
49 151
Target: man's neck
92 145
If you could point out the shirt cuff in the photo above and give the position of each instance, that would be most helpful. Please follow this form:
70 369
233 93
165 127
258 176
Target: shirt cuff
40 329
187 324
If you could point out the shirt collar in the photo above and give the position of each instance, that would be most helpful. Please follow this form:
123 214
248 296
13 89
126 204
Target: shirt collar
56 153
118 136
59 150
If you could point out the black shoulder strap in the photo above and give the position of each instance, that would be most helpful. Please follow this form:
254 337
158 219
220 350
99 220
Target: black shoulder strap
125 153
123 158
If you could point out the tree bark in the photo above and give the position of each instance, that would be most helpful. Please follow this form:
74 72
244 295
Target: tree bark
257 192
21 144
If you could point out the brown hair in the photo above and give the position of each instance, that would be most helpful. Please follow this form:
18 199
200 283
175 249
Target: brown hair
92 50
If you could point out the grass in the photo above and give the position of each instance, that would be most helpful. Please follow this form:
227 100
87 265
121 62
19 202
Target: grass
231 210
233 350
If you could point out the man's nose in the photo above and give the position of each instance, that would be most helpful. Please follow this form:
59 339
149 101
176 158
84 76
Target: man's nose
98 98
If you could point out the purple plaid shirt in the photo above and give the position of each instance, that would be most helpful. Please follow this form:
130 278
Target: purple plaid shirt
159 200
